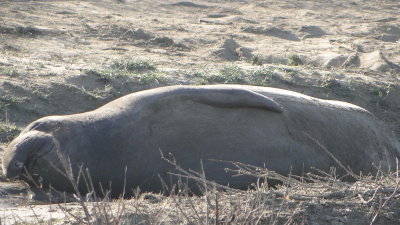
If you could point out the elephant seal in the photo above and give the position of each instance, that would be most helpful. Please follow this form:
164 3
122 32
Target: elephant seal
119 143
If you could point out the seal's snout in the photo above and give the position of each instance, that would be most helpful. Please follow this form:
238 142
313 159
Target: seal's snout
14 171
13 160
23 150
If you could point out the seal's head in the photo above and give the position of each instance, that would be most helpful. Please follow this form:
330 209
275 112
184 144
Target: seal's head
22 153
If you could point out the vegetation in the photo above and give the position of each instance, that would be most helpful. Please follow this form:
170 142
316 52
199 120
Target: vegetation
142 70
381 94
8 100
328 81
257 60
133 65
231 74
262 76
196 74
8 131
294 60
10 71
297 200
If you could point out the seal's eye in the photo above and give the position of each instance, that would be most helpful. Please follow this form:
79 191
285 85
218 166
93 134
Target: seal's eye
18 165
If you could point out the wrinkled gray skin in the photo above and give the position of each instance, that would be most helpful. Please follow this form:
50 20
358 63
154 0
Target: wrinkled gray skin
255 125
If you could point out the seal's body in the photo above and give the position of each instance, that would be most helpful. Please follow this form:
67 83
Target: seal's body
120 142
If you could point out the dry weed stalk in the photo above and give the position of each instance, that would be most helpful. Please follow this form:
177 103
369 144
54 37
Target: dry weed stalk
97 210
225 205
393 191
219 204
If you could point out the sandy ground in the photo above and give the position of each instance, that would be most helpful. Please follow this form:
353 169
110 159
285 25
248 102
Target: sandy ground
60 57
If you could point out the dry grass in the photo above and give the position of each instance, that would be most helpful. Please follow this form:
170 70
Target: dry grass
318 197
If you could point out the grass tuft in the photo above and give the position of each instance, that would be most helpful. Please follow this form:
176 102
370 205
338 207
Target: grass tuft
8 131
381 94
328 81
231 74
133 65
257 60
262 76
294 60
142 70
10 72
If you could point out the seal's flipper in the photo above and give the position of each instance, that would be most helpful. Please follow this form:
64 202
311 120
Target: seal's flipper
235 98
45 124
219 96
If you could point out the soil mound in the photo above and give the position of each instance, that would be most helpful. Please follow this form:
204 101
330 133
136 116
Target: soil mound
374 61
190 5
271 31
311 32
230 50
377 61
140 34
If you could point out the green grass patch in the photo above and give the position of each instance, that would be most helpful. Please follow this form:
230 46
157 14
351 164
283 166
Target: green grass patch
10 72
287 69
7 100
331 84
105 74
262 76
328 81
380 95
257 60
294 60
8 131
146 78
40 65
199 76
196 74
231 74
144 70
133 65
383 92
